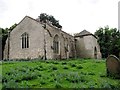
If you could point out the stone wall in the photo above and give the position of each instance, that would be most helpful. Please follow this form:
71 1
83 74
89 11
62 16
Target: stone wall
41 36
64 40
85 46
40 40
35 50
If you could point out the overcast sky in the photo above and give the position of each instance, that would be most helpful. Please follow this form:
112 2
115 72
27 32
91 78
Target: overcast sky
73 15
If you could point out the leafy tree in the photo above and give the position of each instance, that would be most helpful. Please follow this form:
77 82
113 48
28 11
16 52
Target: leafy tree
5 34
109 41
44 17
1 31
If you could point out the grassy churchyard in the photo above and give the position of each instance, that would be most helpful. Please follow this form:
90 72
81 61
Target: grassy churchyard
79 73
0 75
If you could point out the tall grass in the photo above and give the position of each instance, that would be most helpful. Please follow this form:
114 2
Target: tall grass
57 74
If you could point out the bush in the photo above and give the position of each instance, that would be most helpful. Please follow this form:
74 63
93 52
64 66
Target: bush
106 85
29 76
64 63
73 65
47 62
83 73
75 78
31 69
58 85
79 67
54 68
55 62
10 84
42 82
91 73
65 67
102 75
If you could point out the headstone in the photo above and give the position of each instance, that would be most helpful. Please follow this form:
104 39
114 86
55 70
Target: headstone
113 66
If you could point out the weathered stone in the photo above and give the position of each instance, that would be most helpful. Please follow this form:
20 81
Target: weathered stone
87 45
33 39
113 66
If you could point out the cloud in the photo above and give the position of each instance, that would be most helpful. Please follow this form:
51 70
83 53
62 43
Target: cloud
73 15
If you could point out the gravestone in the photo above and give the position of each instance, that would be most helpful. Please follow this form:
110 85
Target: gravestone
113 66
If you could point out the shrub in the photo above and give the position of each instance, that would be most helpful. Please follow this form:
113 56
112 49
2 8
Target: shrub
31 69
29 76
51 80
10 84
41 66
91 73
55 62
64 63
106 85
42 82
79 67
40 75
22 69
83 73
58 85
47 62
24 84
75 78
54 68
102 75
73 65
65 67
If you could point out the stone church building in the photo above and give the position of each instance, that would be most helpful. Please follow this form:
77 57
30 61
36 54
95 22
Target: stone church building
34 39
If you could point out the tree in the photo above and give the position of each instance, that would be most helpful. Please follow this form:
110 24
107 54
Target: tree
109 41
44 17
5 34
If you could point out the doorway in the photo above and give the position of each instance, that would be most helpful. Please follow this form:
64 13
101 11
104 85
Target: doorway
95 53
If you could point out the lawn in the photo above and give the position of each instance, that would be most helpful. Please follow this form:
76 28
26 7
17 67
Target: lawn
79 73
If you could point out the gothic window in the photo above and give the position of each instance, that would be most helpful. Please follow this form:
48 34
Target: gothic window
25 40
56 44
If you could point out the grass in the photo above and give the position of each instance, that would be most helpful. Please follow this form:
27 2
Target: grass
0 75
80 73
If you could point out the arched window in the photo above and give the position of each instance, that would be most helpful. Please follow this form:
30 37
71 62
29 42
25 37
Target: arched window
25 40
56 44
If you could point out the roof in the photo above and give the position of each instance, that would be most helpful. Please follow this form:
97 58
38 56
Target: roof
37 20
84 33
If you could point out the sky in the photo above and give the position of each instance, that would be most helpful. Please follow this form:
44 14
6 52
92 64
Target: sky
73 15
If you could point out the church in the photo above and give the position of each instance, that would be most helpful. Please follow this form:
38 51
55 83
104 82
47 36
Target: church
32 39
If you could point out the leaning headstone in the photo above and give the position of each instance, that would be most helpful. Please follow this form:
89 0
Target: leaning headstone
113 66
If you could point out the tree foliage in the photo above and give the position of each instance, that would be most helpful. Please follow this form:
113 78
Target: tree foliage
109 41
5 34
44 17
